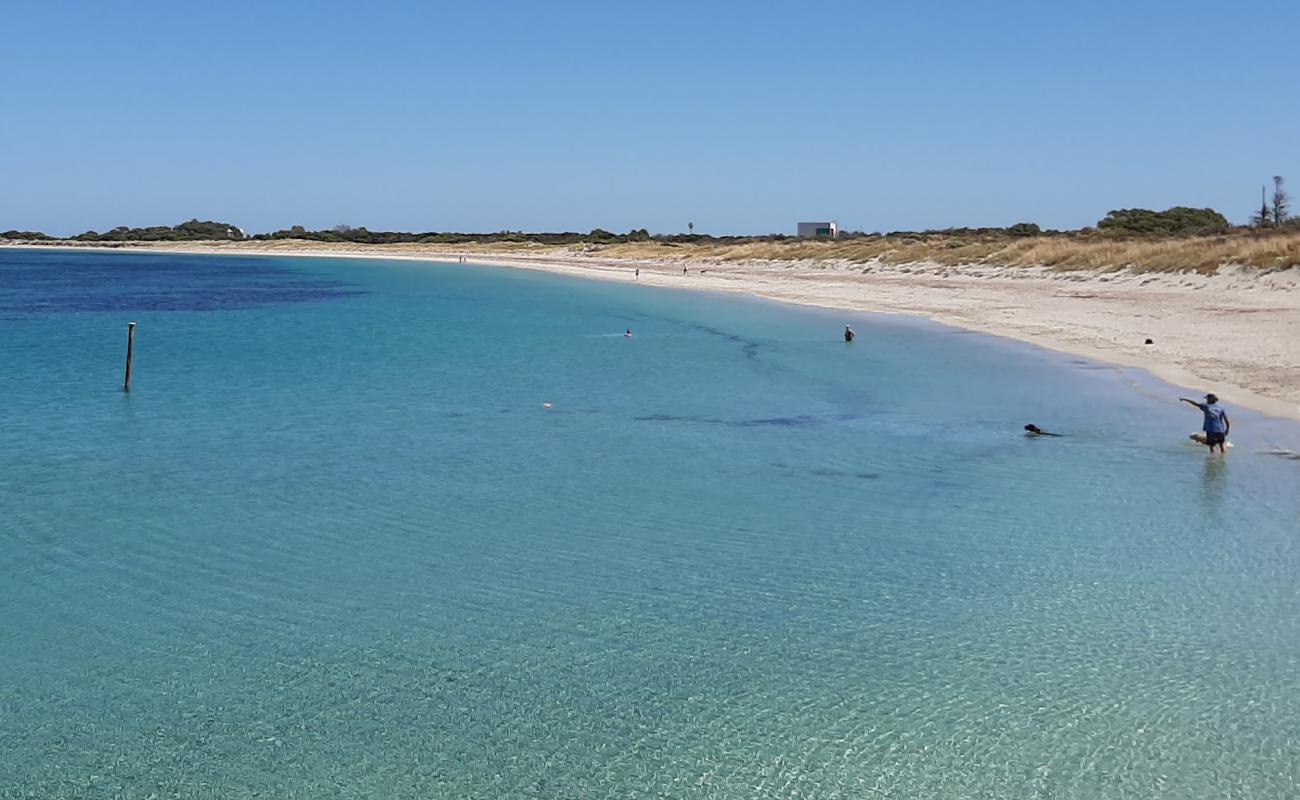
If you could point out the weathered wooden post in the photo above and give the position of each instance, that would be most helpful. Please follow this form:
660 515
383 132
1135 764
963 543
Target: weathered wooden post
130 343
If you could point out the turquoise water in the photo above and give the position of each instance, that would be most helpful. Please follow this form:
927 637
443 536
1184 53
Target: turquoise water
332 544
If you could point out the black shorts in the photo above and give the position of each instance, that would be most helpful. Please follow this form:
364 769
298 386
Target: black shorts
1214 438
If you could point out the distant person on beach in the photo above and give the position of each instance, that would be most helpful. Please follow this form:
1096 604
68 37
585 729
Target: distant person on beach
638 273
1034 430
1216 425
848 334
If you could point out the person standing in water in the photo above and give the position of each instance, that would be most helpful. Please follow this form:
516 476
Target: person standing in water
1216 425
848 334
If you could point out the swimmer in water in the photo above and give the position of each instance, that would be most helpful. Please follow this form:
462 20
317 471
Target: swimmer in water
627 333
848 334
1034 430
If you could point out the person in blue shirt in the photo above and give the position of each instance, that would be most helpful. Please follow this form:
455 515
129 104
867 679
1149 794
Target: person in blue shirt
1216 421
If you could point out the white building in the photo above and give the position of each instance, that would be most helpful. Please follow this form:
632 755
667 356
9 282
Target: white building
818 230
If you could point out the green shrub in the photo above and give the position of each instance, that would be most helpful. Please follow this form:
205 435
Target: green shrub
1179 219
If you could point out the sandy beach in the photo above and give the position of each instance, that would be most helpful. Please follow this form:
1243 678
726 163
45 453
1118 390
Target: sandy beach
1234 332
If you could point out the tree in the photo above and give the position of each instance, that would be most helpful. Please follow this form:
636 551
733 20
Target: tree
1281 201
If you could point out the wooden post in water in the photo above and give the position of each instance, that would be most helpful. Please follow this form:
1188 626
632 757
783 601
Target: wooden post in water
130 343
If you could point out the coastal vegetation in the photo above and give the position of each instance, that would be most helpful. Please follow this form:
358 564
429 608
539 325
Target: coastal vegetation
1265 250
1064 252
1179 219
1176 239
1139 221
192 231
362 235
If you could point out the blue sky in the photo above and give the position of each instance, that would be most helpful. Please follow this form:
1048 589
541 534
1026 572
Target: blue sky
743 117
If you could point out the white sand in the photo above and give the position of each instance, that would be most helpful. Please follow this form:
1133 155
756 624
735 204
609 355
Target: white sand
1236 333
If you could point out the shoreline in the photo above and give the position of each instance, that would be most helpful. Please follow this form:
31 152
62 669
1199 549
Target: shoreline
1226 333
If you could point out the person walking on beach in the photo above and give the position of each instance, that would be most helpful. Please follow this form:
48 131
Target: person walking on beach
1217 424
638 273
848 334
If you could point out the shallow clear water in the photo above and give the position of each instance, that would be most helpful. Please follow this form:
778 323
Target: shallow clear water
333 545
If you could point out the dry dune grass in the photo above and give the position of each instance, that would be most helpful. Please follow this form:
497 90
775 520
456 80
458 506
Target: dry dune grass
1198 254
1096 253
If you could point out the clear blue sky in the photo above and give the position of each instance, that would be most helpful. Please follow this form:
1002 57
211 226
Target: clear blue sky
742 117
